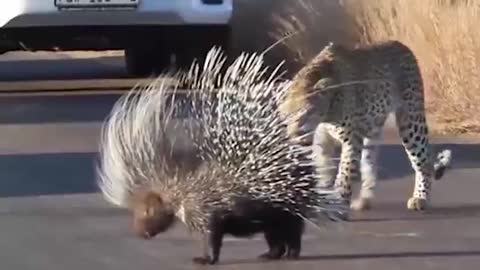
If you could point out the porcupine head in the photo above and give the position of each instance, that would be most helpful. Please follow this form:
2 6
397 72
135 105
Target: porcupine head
151 214
141 164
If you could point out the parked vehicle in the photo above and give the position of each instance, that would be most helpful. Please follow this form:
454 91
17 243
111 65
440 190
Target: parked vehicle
149 31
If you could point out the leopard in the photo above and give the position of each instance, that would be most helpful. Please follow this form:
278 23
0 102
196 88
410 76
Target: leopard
343 97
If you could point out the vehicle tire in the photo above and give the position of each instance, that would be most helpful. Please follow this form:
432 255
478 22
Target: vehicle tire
7 45
138 61
147 60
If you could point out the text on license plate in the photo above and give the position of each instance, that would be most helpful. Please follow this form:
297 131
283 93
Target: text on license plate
96 3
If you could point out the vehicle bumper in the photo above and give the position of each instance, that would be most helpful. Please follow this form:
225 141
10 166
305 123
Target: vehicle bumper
44 13
110 37
40 25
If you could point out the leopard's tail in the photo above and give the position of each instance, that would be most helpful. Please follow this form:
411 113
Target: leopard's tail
442 163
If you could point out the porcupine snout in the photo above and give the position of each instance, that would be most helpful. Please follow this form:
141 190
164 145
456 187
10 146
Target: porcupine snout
151 216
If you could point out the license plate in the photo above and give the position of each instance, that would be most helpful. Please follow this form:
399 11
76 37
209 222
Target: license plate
95 3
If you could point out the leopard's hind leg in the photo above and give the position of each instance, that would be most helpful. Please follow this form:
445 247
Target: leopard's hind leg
323 152
411 122
369 170
414 134
349 167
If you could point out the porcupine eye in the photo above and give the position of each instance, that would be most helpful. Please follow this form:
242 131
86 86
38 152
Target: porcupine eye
149 212
152 217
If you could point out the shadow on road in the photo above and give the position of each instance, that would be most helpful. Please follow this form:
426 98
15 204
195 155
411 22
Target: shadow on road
62 69
369 256
69 173
395 255
394 164
64 213
63 109
47 174
386 212
56 109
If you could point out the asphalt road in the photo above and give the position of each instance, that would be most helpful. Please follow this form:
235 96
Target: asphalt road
53 218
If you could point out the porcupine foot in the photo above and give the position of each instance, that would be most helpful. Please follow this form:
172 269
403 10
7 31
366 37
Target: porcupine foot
294 244
212 240
204 260
274 253
286 240
293 254
276 245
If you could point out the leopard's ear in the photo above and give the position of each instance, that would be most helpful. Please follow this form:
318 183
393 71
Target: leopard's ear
325 84
320 65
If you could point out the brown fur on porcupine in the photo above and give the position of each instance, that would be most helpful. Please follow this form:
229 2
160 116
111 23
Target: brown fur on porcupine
251 179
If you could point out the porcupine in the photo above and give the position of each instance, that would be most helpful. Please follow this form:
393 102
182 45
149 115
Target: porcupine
251 178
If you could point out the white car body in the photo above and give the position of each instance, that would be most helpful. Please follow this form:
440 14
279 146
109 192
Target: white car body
137 26
25 13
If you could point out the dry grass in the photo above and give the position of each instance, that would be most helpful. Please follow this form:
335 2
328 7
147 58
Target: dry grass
259 24
309 25
443 37
441 34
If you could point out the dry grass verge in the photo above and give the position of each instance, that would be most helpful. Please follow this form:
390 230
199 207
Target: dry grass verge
442 34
